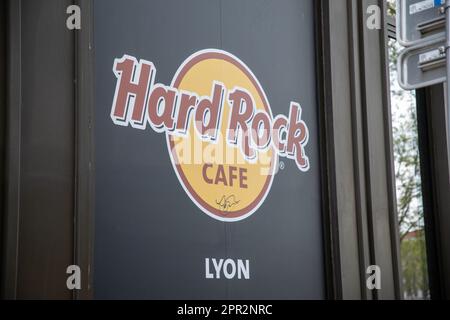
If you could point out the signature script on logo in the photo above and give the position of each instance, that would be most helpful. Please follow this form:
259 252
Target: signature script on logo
226 203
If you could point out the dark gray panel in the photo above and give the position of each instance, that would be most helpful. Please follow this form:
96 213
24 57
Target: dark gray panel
360 152
436 190
151 240
12 152
379 161
341 108
84 189
47 151
2 118
276 40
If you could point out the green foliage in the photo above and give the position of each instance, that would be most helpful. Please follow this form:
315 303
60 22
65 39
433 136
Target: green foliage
406 152
408 184
413 257
391 7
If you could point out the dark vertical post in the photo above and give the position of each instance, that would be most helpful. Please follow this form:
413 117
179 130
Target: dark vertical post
447 51
84 150
12 150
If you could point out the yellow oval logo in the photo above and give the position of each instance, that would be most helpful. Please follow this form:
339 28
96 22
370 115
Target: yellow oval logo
226 183
223 140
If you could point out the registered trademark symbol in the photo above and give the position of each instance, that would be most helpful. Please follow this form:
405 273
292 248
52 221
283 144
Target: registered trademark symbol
281 165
